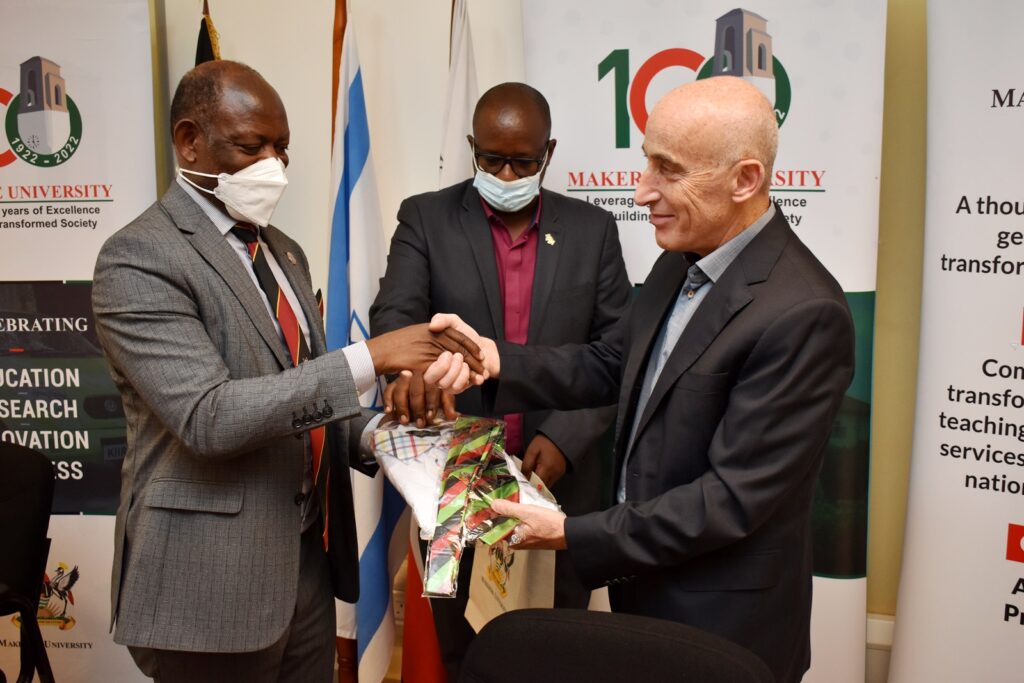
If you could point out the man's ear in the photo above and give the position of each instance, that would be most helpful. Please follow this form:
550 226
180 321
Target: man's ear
550 153
749 179
187 136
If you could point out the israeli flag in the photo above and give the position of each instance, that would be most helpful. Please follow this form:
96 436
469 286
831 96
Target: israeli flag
357 260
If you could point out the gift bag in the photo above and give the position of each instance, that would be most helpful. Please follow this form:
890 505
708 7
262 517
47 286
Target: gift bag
504 579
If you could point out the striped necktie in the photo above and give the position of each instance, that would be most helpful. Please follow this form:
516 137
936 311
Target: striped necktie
298 349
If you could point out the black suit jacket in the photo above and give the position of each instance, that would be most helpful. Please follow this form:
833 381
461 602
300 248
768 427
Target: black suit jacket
442 260
715 530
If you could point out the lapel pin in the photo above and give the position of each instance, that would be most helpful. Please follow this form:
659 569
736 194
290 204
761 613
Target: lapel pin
549 238
291 258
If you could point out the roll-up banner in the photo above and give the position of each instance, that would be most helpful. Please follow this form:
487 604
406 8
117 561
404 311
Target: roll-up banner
76 164
604 64
960 613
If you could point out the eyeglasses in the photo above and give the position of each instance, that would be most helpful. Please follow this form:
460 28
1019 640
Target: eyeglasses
523 168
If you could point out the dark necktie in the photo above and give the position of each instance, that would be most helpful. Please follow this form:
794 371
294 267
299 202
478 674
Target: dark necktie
299 352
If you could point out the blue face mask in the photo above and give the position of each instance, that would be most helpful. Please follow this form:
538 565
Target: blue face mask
507 195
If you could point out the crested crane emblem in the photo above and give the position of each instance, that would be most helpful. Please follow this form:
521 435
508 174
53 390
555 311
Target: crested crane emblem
56 598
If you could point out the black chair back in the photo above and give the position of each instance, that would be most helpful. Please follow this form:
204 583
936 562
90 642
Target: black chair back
26 495
579 645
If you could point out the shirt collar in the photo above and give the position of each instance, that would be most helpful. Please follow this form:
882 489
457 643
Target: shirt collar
494 218
221 220
715 263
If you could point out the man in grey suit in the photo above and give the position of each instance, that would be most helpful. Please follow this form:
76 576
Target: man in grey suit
241 425
728 374
521 263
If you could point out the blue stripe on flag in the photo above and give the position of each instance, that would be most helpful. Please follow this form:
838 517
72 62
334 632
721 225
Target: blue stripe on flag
357 150
374 578
357 135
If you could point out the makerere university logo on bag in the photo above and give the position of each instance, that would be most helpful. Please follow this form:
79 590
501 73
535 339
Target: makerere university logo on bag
42 123
1015 543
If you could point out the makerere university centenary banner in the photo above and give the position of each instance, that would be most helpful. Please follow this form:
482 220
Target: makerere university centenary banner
76 164
604 64
960 614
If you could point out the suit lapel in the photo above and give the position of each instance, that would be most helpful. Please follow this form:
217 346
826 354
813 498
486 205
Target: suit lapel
548 254
656 299
215 250
478 234
727 297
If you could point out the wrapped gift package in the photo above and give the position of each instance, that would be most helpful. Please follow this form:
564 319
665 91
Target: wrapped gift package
449 473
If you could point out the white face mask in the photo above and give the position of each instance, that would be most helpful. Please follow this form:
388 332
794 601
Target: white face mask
507 195
250 195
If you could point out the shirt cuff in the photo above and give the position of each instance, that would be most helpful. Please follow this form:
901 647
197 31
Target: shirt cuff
366 440
360 363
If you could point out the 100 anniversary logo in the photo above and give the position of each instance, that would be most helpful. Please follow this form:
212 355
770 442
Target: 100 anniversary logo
743 48
42 123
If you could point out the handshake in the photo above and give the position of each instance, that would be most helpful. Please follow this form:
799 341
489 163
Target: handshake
434 361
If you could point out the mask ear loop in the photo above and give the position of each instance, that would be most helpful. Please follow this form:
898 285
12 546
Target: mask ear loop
183 171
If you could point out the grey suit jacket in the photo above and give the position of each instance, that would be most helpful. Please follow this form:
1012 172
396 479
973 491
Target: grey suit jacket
207 532
715 530
442 260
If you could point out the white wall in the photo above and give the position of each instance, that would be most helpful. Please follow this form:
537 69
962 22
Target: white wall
403 48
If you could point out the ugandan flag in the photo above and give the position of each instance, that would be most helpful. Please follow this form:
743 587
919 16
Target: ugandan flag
208 45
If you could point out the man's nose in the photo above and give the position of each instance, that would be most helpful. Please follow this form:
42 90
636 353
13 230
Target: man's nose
271 152
506 172
645 193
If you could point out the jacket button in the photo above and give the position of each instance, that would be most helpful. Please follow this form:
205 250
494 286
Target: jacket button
299 498
328 410
296 423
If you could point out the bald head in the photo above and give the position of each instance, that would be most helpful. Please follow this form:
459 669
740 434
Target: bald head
511 103
210 86
723 119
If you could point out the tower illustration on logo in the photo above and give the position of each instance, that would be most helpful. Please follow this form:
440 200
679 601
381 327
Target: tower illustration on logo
43 119
743 48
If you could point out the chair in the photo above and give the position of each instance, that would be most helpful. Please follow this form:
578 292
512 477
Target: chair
26 495
577 645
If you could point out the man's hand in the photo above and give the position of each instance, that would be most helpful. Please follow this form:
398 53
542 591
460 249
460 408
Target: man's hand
545 459
410 398
449 322
450 355
538 528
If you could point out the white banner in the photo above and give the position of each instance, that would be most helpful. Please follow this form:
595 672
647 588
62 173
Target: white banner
960 615
76 164
604 64
76 142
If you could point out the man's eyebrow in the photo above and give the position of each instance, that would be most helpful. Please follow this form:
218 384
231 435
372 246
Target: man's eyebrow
664 160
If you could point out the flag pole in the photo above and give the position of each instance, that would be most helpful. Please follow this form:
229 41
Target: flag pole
347 648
